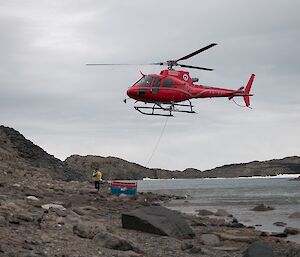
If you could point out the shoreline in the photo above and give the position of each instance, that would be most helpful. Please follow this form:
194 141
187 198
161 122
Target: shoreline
78 211
261 218
213 194
291 176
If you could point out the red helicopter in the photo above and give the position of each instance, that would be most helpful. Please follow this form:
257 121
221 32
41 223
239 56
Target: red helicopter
167 91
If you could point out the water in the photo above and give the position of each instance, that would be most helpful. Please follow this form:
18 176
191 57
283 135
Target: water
237 196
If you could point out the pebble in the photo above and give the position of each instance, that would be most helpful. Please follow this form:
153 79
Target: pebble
52 205
33 198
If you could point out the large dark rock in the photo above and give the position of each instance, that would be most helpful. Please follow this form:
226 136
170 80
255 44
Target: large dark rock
259 249
157 220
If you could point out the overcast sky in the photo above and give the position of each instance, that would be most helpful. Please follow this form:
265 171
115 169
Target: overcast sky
50 96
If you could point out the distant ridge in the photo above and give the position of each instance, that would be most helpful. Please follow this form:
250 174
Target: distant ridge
19 153
116 168
287 165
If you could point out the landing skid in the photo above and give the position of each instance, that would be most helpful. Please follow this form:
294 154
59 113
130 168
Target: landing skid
166 110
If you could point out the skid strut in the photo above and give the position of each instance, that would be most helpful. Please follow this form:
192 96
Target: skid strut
160 109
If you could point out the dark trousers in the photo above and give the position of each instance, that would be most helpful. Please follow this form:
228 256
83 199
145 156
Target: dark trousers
97 185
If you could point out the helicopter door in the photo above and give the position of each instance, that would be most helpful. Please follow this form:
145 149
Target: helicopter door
155 86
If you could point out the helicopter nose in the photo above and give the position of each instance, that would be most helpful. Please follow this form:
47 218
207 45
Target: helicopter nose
130 92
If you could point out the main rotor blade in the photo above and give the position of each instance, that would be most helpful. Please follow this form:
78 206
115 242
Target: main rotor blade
120 64
194 67
196 52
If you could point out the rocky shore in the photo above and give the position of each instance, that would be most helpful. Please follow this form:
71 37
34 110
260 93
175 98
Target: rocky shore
41 216
49 208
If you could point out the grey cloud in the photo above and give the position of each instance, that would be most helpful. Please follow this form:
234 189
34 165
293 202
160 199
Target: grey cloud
48 93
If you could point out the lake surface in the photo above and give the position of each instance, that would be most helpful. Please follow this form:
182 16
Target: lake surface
238 196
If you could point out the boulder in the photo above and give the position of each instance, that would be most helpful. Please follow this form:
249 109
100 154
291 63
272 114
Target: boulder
235 238
262 207
60 213
235 224
54 206
3 222
205 212
111 241
279 234
196 250
17 218
210 239
259 249
85 210
27 217
279 224
185 245
87 229
295 215
291 231
157 220
222 213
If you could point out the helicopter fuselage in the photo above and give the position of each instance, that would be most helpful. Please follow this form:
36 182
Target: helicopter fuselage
172 86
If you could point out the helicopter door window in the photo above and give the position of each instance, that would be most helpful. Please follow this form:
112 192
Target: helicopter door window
145 81
167 82
156 82
155 86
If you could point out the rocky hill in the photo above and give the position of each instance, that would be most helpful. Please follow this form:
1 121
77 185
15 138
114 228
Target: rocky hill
288 165
116 168
19 154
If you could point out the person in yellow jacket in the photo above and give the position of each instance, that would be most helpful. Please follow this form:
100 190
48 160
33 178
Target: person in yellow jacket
97 176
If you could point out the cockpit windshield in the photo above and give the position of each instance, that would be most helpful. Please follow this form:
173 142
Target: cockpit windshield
144 81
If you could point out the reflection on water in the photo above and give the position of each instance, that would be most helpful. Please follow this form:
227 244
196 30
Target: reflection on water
237 196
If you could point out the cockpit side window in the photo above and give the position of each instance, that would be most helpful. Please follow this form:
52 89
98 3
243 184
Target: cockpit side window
156 82
145 81
167 82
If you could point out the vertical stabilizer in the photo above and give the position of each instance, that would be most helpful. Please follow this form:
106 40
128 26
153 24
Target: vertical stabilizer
247 91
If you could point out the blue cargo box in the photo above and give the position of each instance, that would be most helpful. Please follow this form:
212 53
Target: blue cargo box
126 188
